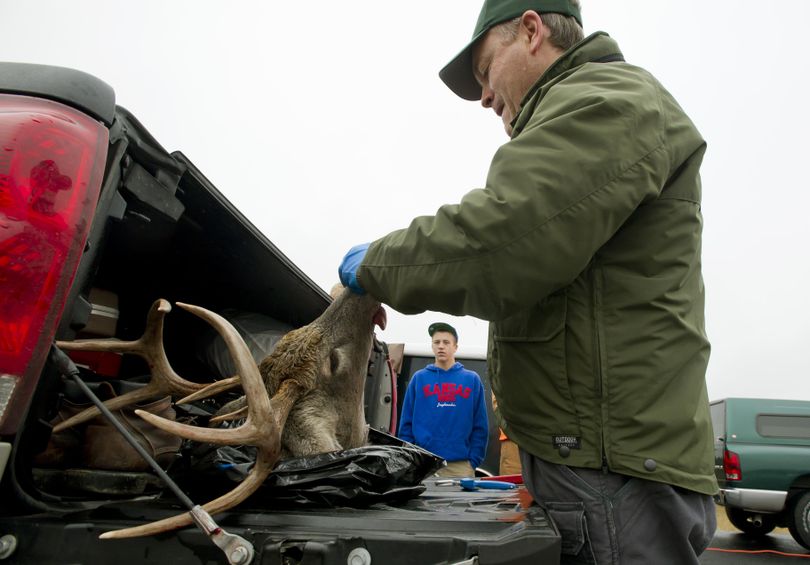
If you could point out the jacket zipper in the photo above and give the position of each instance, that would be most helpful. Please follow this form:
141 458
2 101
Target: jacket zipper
597 304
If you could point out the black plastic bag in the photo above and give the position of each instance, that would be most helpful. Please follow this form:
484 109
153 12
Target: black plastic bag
388 470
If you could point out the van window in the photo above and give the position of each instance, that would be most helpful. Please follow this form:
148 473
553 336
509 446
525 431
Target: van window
771 425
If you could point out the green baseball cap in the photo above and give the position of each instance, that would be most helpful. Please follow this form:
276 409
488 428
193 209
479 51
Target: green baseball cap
458 73
442 327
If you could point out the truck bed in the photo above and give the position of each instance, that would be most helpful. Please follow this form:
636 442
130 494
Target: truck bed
443 525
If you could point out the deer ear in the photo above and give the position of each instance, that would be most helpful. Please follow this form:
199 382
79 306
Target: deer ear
295 357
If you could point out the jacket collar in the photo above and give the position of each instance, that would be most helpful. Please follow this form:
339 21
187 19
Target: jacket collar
598 47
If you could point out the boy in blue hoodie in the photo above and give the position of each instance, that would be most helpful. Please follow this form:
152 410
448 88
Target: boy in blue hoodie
444 410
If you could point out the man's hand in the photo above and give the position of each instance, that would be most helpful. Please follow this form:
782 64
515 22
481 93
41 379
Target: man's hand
348 268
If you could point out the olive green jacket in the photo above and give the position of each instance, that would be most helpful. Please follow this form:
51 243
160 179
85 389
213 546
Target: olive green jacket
583 252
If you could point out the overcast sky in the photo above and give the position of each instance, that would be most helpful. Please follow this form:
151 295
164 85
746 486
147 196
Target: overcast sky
326 124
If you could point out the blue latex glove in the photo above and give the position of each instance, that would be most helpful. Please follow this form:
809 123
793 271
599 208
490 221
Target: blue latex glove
348 268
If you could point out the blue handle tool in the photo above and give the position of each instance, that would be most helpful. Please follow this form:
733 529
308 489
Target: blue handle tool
473 484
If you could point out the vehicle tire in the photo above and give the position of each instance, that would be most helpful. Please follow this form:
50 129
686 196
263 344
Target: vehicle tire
799 520
744 522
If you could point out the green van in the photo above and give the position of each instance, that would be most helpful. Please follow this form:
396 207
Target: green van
762 462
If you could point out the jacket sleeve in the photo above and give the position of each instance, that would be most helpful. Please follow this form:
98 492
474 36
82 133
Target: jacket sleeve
480 431
406 417
590 153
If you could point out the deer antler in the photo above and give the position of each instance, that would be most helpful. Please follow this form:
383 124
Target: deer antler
150 347
211 390
262 428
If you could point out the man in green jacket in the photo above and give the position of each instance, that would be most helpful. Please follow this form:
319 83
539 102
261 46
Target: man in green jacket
583 252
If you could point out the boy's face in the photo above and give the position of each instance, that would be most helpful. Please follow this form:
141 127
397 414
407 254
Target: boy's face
444 346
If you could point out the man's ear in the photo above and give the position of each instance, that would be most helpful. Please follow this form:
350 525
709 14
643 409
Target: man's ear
532 29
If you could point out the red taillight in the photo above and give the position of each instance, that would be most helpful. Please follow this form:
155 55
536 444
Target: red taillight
731 465
51 167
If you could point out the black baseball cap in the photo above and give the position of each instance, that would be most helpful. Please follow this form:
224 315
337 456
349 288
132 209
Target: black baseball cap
458 73
442 327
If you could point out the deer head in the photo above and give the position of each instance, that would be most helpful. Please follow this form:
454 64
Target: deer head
308 391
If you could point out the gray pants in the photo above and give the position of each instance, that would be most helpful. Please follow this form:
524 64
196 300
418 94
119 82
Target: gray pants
607 518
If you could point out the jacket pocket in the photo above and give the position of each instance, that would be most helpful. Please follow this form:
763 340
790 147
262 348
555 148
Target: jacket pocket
530 375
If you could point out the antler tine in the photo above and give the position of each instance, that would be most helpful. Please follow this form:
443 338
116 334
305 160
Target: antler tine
150 347
261 429
211 390
235 415
132 397
262 467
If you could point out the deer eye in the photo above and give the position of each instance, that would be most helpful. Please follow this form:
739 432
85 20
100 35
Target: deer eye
338 361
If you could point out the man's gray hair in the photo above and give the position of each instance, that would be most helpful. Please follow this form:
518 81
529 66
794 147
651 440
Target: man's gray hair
565 30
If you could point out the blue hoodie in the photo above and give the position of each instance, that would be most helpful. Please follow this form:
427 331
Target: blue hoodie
445 413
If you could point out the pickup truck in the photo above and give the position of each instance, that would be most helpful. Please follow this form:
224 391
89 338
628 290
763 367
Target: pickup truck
97 221
762 462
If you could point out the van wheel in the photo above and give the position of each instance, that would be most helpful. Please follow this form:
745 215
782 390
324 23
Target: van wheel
799 520
751 523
